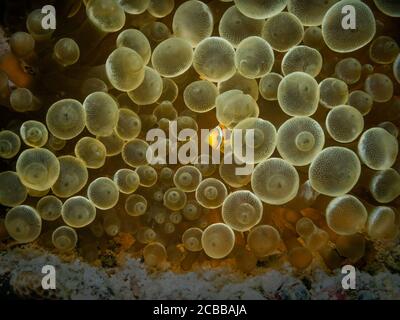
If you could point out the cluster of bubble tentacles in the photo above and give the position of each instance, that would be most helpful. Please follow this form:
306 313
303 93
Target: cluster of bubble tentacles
320 98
